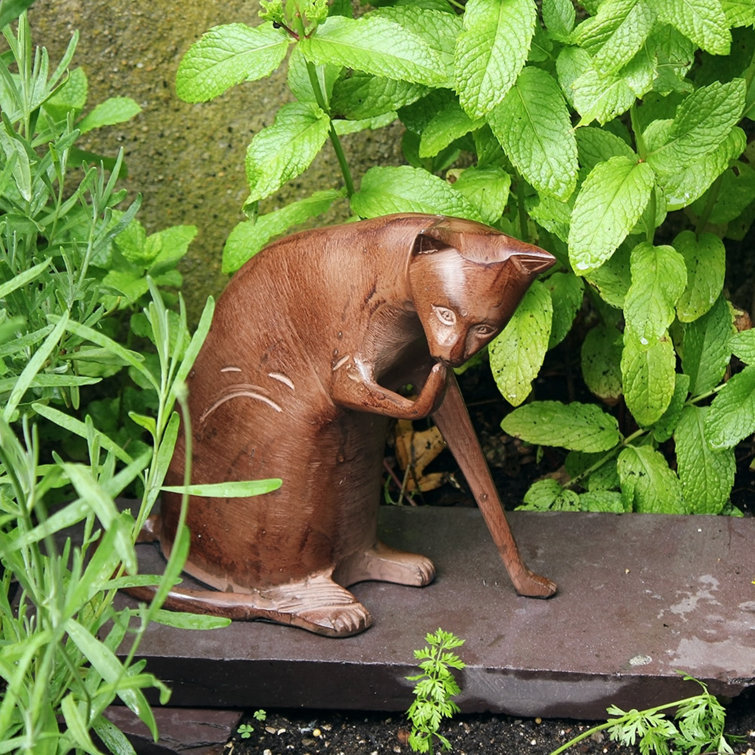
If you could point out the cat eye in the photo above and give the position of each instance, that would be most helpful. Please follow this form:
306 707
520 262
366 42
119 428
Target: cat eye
484 330
445 315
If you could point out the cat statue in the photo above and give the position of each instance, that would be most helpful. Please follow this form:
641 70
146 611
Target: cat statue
310 344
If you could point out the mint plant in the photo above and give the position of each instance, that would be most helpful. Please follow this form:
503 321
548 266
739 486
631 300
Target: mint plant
434 688
613 136
698 727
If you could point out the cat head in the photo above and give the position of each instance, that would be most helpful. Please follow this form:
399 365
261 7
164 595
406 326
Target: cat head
466 280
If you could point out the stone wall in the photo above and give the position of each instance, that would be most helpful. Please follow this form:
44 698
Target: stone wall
186 160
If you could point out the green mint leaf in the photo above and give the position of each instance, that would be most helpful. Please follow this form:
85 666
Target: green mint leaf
485 188
612 279
439 28
707 476
735 194
600 358
648 377
675 55
385 190
664 428
226 56
659 276
249 236
702 122
567 292
705 352
559 17
358 95
551 214
578 427
703 21
108 113
610 202
648 486
682 185
602 501
378 46
615 35
739 12
731 416
532 124
352 127
284 150
598 96
168 246
705 260
491 51
596 145
301 85
446 126
548 495
517 353
743 345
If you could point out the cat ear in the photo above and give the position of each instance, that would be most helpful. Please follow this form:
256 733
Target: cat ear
533 261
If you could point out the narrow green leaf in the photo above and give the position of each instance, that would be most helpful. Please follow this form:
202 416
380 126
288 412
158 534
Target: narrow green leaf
227 55
532 124
659 276
578 427
703 21
615 35
112 671
108 113
77 727
610 202
17 281
227 489
12 9
648 376
648 486
705 260
601 359
34 365
189 620
491 51
705 347
707 476
380 47
249 236
385 190
112 737
487 189
731 417
284 150
517 353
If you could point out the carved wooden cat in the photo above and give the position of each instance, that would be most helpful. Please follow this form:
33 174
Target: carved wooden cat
310 344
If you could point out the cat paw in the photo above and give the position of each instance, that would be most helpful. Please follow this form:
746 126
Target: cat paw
385 564
319 605
531 585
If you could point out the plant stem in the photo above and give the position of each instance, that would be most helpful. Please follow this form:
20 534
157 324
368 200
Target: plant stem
521 209
334 140
598 464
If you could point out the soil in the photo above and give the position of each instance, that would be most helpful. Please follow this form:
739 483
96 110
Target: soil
314 732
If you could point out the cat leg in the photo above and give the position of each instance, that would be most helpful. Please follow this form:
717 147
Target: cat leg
453 421
317 604
385 564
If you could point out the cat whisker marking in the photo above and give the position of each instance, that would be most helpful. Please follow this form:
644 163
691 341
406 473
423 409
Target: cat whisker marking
281 378
230 369
242 391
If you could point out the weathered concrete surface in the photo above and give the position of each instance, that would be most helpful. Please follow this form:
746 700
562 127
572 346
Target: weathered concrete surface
640 597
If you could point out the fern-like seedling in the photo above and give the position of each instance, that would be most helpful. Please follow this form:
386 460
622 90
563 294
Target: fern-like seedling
698 727
434 688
